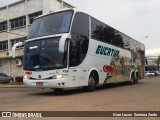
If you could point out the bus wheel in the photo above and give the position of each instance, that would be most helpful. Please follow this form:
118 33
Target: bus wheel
132 81
137 79
91 82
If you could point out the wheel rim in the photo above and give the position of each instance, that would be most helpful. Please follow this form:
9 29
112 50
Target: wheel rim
92 81
132 79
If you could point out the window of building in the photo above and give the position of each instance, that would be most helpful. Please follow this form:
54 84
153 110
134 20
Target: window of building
3 26
18 40
18 22
4 45
33 16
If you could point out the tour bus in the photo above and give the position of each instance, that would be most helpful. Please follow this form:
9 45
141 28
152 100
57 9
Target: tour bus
152 65
69 48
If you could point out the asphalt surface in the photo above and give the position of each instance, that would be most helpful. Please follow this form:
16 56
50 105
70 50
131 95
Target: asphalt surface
144 96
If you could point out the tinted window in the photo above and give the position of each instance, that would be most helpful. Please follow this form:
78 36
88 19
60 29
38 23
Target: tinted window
105 33
2 75
97 29
55 23
127 43
80 39
44 54
151 68
81 24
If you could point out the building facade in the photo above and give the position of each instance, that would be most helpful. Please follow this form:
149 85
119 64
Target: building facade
15 21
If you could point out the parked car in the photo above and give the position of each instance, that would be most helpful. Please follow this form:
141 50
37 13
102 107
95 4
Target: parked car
148 73
5 78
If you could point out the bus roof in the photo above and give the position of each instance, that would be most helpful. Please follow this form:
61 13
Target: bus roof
61 10
76 10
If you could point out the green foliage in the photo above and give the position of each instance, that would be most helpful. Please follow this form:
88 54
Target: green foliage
19 79
117 79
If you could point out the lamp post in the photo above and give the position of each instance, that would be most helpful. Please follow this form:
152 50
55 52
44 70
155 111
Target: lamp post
143 38
62 4
1 3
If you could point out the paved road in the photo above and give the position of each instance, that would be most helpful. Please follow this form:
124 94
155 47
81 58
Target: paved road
144 96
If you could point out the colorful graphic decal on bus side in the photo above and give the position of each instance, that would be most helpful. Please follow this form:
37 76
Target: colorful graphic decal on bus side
120 66
102 50
110 70
118 70
116 79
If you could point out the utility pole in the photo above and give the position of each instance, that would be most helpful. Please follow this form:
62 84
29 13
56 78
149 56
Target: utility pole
143 38
62 4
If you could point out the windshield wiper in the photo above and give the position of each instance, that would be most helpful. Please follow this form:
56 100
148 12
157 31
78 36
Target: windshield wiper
29 68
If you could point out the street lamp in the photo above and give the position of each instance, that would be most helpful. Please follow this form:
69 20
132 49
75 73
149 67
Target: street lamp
143 38
62 3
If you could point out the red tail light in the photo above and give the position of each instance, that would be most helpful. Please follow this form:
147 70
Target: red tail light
28 73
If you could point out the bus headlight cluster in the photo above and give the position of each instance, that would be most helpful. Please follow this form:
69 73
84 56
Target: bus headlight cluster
26 77
59 76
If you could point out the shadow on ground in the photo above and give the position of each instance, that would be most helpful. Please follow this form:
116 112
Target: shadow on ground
67 92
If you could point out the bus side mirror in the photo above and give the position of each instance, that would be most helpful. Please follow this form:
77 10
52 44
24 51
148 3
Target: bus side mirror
62 42
13 52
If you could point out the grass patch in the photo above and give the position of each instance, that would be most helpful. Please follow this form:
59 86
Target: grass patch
117 79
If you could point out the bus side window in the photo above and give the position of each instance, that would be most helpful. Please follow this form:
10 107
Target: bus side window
105 33
80 39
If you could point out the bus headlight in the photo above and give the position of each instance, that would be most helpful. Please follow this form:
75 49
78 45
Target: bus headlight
26 77
59 76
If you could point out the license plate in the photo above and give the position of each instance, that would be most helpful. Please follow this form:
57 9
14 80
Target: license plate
39 83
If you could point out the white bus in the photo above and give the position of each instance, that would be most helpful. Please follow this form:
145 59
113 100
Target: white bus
69 48
152 65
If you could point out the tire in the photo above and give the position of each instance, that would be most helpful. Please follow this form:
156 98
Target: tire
137 79
12 79
151 75
132 81
91 82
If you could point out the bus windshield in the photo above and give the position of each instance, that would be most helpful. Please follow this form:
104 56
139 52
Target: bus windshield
55 23
44 55
151 68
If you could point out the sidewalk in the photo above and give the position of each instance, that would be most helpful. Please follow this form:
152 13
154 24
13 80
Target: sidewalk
12 85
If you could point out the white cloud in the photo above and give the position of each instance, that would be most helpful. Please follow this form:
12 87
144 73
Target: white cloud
136 18
5 2
153 52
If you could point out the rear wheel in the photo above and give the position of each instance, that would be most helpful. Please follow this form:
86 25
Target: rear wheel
132 81
137 79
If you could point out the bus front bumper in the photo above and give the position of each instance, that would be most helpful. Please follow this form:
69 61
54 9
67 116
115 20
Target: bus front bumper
55 83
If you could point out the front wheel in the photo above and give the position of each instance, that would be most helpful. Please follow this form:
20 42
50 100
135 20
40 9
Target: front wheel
91 83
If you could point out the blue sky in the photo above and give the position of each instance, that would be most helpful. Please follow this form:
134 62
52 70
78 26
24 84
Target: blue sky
136 18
